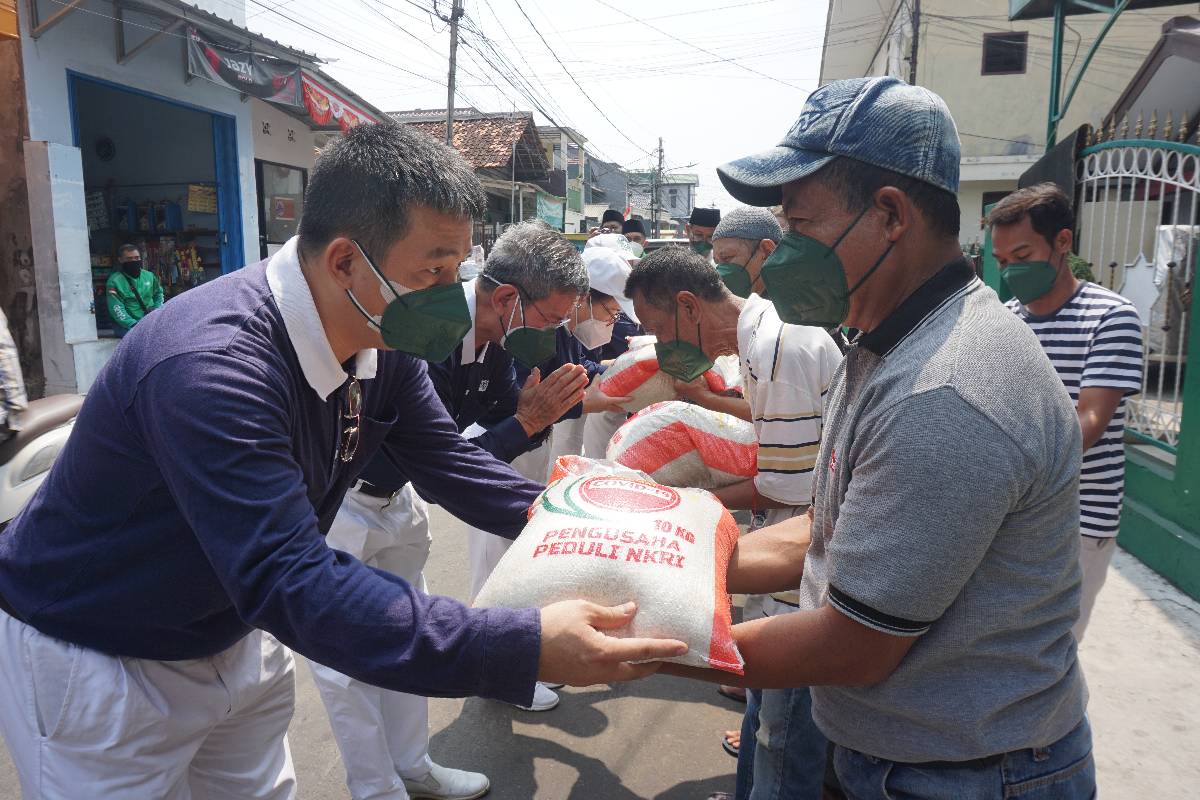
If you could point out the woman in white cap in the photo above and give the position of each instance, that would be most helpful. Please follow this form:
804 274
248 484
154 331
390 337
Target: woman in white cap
609 261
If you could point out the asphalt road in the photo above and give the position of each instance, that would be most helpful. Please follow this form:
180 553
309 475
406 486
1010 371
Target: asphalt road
659 738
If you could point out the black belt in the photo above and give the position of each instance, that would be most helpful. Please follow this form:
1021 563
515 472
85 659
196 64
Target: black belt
973 763
378 492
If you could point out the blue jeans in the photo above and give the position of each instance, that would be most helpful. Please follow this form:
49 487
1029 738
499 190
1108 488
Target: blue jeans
745 759
1063 771
782 756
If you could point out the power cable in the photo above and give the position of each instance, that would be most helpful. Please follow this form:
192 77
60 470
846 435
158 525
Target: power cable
586 96
520 52
351 47
371 5
694 46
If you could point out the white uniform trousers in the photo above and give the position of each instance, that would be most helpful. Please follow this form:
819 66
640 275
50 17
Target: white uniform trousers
80 723
566 439
599 429
486 549
382 735
1095 554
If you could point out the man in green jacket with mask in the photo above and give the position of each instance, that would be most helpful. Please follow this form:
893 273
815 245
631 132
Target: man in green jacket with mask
133 292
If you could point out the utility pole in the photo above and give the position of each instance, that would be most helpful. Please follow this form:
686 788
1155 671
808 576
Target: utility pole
916 35
656 202
455 14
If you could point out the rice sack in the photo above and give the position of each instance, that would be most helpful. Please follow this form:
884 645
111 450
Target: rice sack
607 534
635 374
684 445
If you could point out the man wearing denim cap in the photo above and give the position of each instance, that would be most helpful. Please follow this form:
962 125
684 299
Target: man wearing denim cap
941 577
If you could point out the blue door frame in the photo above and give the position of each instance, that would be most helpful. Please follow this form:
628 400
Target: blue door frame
229 194
225 162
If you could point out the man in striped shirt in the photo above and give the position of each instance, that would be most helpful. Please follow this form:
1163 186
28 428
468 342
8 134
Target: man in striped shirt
1094 340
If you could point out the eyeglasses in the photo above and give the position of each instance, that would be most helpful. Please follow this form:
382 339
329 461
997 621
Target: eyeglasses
613 316
352 421
555 321
522 296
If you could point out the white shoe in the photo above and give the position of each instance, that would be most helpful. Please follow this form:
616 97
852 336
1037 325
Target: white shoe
443 783
544 699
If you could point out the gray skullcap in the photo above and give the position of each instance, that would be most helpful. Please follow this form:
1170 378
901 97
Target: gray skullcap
748 222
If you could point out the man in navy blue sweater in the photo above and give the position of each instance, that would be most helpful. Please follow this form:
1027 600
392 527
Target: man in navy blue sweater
509 266
151 588
383 736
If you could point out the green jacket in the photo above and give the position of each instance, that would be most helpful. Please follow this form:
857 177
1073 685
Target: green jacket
123 305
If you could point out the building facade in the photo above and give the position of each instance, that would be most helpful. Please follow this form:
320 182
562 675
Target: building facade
509 158
993 74
568 158
145 137
677 197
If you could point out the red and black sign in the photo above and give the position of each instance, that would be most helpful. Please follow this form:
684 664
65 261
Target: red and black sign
266 78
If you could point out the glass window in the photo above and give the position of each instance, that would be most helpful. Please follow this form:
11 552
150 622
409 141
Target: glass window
1004 53
283 201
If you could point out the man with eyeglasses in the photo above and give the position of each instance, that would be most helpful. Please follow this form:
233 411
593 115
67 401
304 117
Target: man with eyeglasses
383 736
538 325
181 529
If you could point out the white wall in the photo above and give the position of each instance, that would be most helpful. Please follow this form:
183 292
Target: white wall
996 114
296 151
970 203
84 43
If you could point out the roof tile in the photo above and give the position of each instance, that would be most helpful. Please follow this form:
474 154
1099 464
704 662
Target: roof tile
484 143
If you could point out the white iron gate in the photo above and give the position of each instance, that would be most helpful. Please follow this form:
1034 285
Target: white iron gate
1138 227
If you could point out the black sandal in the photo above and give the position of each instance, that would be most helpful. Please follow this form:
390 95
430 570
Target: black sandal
734 696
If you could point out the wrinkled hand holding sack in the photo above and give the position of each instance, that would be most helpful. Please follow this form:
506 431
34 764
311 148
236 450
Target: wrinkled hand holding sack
685 445
635 374
607 534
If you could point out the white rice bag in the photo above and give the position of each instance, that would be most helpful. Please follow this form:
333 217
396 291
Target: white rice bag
683 444
635 374
604 533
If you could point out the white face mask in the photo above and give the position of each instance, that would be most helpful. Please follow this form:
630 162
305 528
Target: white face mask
592 333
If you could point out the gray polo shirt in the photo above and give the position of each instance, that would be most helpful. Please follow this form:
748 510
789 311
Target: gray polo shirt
946 507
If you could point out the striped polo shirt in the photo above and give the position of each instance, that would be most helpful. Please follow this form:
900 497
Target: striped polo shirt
786 371
1095 339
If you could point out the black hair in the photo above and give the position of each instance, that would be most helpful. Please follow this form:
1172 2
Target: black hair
856 182
365 182
127 248
662 275
1046 205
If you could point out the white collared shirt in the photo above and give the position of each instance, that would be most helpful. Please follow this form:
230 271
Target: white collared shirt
304 329
469 345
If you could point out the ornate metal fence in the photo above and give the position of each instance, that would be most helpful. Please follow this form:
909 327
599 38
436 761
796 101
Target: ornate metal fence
1138 227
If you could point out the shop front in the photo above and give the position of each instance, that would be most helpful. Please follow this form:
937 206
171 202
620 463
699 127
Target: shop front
153 137
286 140
157 174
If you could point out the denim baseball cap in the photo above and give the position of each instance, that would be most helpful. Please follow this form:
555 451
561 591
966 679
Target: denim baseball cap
881 121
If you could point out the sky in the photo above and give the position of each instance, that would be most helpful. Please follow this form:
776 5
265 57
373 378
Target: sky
716 79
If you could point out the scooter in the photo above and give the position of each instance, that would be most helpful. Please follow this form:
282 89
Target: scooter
26 458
